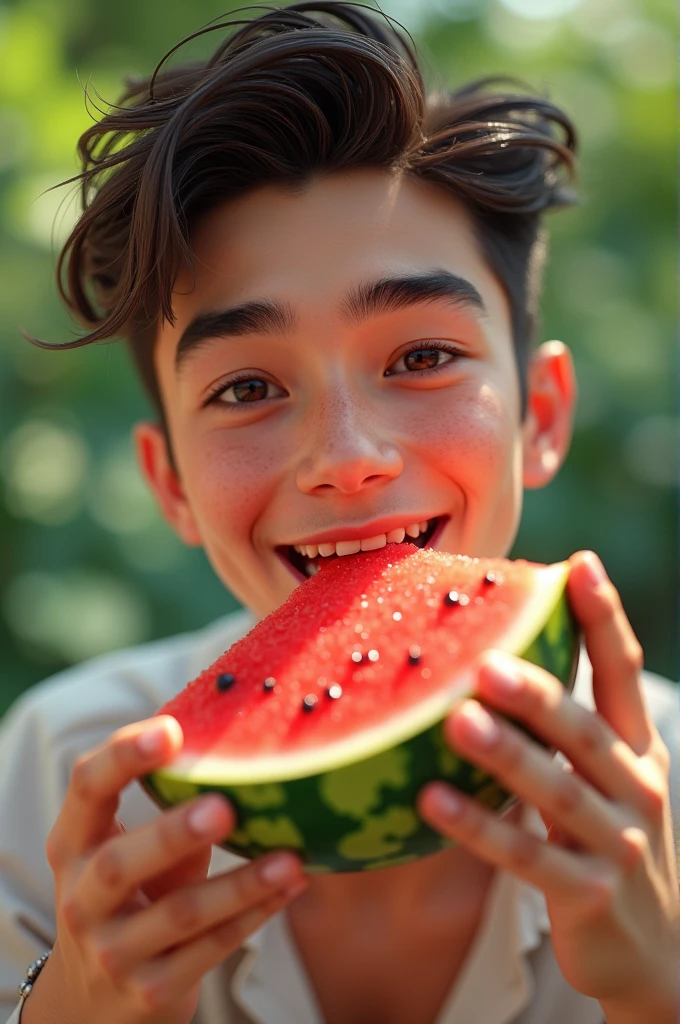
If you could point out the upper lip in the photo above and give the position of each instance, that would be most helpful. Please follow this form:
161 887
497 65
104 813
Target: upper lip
364 530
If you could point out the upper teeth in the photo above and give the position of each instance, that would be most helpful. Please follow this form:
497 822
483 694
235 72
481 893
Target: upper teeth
351 547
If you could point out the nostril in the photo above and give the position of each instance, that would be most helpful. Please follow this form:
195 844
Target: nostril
348 468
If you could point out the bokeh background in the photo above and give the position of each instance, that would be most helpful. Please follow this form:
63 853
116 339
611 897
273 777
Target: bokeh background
86 563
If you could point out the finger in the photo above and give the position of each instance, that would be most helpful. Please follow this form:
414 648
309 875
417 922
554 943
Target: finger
163 983
97 780
537 699
554 833
193 868
189 912
528 770
614 651
491 838
120 866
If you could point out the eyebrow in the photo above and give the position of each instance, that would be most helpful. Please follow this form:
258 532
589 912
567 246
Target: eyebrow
370 298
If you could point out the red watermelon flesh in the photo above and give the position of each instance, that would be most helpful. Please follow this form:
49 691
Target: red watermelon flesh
417 617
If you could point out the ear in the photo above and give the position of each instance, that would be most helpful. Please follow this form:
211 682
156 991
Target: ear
154 463
551 400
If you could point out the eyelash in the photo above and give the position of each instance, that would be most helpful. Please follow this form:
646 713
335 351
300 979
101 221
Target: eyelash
441 346
221 388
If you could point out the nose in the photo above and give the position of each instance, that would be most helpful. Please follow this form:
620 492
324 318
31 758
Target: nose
345 451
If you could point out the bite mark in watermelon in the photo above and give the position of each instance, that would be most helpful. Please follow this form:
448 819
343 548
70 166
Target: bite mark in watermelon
368 657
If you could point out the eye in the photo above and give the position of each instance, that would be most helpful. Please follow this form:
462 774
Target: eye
245 391
248 390
422 358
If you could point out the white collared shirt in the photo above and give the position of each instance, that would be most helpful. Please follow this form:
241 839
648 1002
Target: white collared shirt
510 975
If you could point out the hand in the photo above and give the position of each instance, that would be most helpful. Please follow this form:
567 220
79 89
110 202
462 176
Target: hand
608 867
138 925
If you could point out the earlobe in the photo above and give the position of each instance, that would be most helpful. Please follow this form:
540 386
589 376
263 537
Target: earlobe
160 477
551 399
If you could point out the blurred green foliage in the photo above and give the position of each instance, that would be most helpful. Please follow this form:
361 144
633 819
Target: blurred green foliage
86 563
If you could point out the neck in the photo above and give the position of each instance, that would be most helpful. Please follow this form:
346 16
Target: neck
430 890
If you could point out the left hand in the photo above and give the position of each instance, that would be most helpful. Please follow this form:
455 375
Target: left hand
608 867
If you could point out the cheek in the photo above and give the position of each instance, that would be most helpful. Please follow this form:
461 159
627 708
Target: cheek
469 434
231 482
477 447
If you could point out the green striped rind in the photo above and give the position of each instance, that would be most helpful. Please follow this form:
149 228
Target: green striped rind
362 816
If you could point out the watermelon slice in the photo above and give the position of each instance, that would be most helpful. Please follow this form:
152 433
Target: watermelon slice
324 722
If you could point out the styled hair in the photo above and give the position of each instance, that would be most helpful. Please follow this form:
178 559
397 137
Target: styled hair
313 88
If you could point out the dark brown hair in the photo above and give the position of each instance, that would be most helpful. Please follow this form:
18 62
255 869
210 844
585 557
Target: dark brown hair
312 88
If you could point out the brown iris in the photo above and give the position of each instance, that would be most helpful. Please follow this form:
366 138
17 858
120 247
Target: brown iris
250 390
422 359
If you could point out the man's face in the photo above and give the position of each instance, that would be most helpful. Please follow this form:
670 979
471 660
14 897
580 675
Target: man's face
352 410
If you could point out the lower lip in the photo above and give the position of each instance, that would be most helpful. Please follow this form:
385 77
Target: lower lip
430 544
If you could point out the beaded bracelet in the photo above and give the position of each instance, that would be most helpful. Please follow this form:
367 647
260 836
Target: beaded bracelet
31 974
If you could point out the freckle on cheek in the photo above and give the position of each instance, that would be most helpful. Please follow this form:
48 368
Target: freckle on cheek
465 433
234 482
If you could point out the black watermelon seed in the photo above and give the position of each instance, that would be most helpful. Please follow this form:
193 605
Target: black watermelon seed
451 598
269 683
489 578
357 657
310 701
414 653
334 691
225 681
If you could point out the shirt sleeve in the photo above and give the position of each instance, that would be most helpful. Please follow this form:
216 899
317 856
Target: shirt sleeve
41 736
31 794
15 1017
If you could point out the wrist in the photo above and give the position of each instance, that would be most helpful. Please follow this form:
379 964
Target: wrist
669 1015
26 986
45 1004
651 1011
660 1006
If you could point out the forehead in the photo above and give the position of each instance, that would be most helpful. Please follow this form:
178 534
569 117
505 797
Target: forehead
309 246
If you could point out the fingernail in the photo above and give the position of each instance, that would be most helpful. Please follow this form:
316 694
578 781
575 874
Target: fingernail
280 869
501 673
447 802
152 741
480 723
595 570
205 817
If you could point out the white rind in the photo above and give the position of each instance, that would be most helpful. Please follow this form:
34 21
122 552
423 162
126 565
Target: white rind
550 581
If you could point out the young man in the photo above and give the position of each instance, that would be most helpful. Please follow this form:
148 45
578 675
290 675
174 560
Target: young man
330 287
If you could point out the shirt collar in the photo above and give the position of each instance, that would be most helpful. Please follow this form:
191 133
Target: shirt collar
271 983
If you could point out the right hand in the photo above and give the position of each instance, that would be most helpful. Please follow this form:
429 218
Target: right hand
138 924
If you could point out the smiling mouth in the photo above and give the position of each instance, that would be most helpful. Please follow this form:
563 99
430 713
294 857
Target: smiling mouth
303 567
